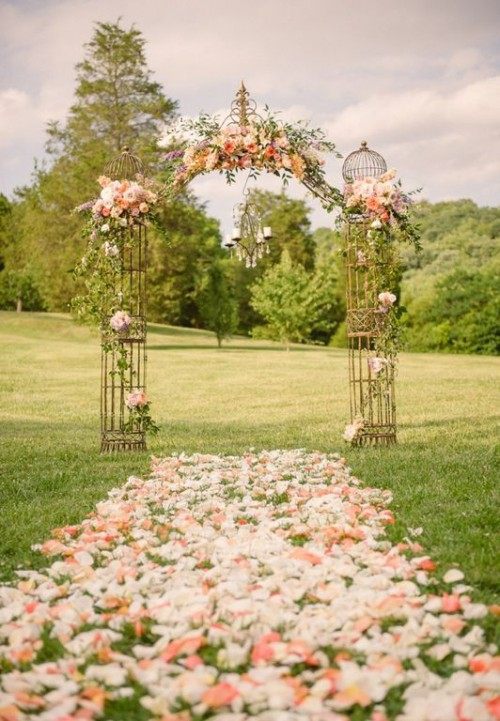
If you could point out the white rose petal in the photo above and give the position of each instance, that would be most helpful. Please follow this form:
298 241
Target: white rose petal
453 575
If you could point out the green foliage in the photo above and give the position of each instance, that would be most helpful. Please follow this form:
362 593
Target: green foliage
449 289
291 225
462 315
5 228
216 301
116 101
175 266
19 290
293 302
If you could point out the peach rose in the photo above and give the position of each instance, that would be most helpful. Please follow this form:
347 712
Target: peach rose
245 162
136 399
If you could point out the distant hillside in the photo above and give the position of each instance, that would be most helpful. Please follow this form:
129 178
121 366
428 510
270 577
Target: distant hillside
451 289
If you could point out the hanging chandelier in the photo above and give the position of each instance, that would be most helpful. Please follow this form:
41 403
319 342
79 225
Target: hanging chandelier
249 238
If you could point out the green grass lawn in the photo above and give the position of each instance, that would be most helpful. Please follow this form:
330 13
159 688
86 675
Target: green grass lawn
248 394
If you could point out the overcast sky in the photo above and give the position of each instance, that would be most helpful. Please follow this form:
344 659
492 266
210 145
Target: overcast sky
420 80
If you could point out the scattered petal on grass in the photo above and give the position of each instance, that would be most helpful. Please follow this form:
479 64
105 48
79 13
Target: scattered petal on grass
261 587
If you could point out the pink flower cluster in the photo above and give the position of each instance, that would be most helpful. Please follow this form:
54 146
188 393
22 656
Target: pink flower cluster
386 300
238 147
125 201
379 199
120 321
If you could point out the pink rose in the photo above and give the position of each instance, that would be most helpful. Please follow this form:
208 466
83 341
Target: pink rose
245 162
105 211
144 207
120 321
136 399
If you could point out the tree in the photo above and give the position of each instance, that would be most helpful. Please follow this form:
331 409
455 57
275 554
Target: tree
293 302
216 302
289 220
461 315
174 268
5 229
116 103
449 288
19 290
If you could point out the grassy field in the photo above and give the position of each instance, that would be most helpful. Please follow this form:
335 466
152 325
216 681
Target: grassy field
248 394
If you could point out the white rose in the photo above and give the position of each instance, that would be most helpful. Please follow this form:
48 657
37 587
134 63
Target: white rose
110 249
376 224
387 299
105 228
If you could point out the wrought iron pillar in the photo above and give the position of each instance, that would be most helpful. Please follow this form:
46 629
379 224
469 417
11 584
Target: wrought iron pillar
123 355
372 392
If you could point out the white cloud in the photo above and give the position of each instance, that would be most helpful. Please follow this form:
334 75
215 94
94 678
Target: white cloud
449 142
421 113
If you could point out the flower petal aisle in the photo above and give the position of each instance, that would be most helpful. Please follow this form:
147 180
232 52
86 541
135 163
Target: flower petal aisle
260 586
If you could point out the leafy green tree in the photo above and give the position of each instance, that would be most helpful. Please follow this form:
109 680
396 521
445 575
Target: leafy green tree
461 316
174 268
216 301
448 287
116 103
6 234
330 274
293 302
19 290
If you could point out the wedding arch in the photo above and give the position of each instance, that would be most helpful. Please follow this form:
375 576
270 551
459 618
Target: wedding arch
373 215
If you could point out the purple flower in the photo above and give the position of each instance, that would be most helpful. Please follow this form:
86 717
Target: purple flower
85 206
173 154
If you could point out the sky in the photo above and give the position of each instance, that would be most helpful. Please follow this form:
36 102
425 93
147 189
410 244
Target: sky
419 80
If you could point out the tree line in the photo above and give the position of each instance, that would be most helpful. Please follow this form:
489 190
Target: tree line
296 293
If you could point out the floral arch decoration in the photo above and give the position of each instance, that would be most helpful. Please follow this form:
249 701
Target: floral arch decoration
374 214
249 141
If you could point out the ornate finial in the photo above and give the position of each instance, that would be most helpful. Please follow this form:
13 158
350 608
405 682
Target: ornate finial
364 144
243 108
242 99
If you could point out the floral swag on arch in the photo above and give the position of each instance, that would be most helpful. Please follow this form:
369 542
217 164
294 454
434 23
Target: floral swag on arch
373 207
248 141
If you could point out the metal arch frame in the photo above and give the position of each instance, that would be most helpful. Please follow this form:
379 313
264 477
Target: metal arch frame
373 398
